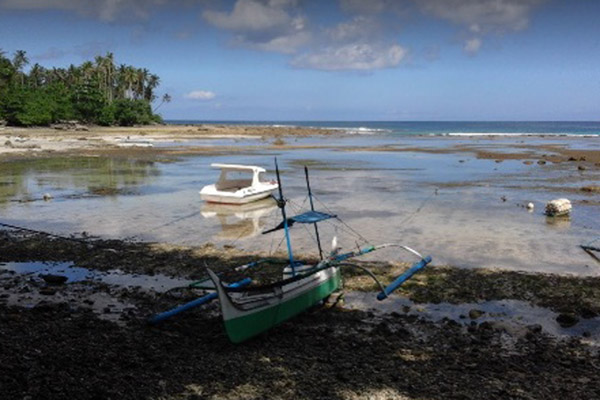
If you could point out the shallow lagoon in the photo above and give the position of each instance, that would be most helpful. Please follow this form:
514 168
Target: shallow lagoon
449 204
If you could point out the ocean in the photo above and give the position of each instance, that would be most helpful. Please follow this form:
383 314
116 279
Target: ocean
435 128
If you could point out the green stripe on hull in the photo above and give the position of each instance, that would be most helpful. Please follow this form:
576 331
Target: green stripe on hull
243 328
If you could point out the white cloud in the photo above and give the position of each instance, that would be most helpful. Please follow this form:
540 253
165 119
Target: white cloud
482 15
200 95
249 15
269 25
472 45
359 27
360 57
105 10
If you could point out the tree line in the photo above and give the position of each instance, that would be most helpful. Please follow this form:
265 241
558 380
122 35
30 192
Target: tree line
95 92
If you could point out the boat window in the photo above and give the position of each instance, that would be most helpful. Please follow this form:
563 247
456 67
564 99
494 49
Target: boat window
234 180
237 175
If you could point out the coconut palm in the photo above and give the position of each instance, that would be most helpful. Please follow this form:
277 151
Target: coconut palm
166 98
37 76
153 82
19 61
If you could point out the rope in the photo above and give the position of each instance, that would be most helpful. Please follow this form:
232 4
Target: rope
357 234
174 221
38 232
423 203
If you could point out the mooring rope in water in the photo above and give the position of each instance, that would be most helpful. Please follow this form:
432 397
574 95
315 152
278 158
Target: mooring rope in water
39 232
161 226
421 206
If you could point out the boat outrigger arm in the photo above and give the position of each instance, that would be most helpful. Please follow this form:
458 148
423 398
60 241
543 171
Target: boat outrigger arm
249 310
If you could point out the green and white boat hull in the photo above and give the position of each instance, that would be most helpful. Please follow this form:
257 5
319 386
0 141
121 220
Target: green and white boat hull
247 314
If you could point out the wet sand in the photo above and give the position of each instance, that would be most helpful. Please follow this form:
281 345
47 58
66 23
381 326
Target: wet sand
72 139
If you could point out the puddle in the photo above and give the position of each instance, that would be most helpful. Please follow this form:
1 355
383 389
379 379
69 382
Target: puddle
158 282
21 284
514 313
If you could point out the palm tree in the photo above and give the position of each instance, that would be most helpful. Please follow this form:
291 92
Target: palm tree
131 80
108 65
153 82
165 99
20 60
7 70
37 75
141 82
121 81
87 71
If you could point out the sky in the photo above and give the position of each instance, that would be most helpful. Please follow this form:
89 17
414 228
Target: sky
363 60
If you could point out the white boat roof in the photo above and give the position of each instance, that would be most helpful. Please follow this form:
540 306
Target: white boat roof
238 167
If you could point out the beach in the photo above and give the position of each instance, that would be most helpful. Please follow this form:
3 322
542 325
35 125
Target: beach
509 309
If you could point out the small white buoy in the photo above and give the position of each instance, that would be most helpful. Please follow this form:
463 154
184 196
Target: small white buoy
530 206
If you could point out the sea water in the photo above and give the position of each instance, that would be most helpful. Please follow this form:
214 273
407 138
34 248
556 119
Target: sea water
462 210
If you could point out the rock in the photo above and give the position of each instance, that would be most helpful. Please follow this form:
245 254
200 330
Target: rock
48 291
587 313
535 328
499 161
541 162
47 196
54 279
503 198
591 189
572 159
558 207
527 162
474 313
8 143
581 168
567 320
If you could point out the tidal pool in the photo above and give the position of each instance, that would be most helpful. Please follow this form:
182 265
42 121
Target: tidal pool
464 211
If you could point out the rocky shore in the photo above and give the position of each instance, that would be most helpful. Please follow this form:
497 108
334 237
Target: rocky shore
62 341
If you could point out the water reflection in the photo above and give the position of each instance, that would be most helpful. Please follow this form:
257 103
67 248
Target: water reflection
29 179
240 221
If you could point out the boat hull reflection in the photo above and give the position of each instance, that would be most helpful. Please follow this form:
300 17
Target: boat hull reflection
240 221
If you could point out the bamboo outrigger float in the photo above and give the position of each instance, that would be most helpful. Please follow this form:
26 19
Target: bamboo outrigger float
250 310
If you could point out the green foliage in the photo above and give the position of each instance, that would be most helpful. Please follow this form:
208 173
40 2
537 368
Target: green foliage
107 115
132 112
94 92
88 102
27 107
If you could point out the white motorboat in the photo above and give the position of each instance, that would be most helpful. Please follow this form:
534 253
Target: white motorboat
238 184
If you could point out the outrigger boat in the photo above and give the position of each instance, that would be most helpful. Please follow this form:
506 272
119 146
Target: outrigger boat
250 310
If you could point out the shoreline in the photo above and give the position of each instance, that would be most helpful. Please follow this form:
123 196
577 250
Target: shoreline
171 140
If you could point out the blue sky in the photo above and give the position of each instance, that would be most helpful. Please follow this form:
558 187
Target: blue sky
413 60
